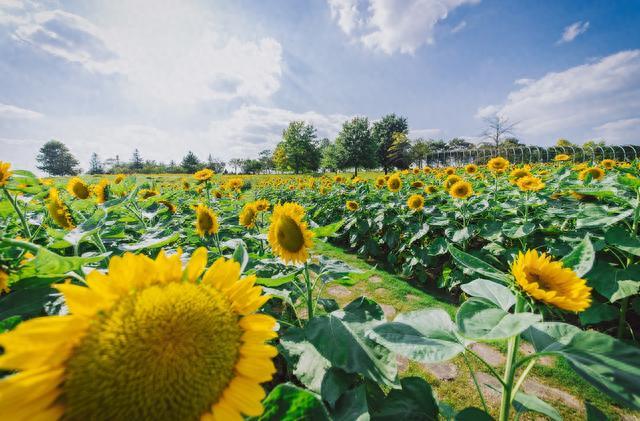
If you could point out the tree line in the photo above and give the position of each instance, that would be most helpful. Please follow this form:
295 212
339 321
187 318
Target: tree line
360 145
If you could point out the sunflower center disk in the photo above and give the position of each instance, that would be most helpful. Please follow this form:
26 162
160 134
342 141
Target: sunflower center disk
164 353
289 234
205 222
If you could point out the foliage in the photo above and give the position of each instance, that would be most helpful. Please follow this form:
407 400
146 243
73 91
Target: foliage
54 158
382 132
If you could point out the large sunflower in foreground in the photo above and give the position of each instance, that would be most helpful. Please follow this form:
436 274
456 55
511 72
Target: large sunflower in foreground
58 211
550 282
78 188
288 235
206 221
147 340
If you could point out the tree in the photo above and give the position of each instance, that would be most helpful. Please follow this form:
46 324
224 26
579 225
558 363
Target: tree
300 147
266 160
191 163
55 158
280 158
95 166
136 160
511 142
382 132
564 143
419 151
459 143
399 154
332 157
498 127
215 165
236 163
592 144
356 144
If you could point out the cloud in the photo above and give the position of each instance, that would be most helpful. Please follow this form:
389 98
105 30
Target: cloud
13 112
572 31
180 56
392 25
620 131
459 27
576 101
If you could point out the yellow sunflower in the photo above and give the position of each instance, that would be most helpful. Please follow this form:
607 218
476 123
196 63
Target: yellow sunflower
449 170
608 164
461 190
530 183
147 340
450 181
426 170
561 157
58 210
147 193
247 217
548 281
4 282
415 202
417 184
430 189
170 206
119 178
416 170
5 172
262 205
498 165
518 173
394 183
203 175
78 188
596 173
185 185
206 221
352 205
338 179
101 190
235 183
471 168
288 235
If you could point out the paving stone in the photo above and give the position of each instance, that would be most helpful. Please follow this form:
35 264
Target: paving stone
442 371
489 354
527 349
403 363
381 291
389 311
490 386
375 279
303 313
412 297
338 291
548 393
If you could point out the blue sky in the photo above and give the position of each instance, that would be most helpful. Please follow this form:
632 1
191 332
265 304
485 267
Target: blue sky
225 77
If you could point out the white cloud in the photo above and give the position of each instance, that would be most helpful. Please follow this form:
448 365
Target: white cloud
165 52
572 31
459 27
620 131
576 101
13 112
392 25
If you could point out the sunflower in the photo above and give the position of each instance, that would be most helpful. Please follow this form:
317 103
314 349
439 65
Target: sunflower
58 210
146 340
78 188
380 182
185 185
416 170
247 217
451 180
530 183
518 173
461 190
417 184
338 179
288 235
430 189
119 178
449 170
583 197
46 182
235 183
147 193
170 206
394 183
608 164
217 194
471 168
352 205
101 190
262 205
203 175
426 170
595 172
548 281
206 221
561 157
415 202
498 165
4 282
5 172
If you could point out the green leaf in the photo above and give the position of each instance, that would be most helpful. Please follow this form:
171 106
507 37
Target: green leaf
512 230
497 293
335 383
477 265
480 319
613 283
426 336
309 366
151 241
472 414
352 405
9 323
87 228
602 221
26 299
414 401
276 281
289 402
418 235
581 259
241 255
593 413
607 363
523 403
598 312
622 239
327 230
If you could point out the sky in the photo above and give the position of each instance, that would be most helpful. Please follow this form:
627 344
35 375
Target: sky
226 77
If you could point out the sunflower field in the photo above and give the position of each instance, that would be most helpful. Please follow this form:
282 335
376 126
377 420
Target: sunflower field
221 297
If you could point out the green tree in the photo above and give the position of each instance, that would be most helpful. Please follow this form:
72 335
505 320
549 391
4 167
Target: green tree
300 147
95 166
266 160
356 144
511 142
459 143
419 151
564 143
382 132
399 154
191 163
592 144
215 165
332 157
54 158
136 161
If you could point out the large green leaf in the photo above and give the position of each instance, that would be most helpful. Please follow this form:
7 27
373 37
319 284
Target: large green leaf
598 312
472 414
414 401
480 319
607 363
523 402
335 383
602 221
352 405
309 366
327 230
497 293
27 298
426 336
622 239
289 402
87 228
151 241
581 259
614 283
477 265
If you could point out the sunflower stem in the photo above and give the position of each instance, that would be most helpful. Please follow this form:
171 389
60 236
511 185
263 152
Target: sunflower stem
475 382
25 226
307 282
509 369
